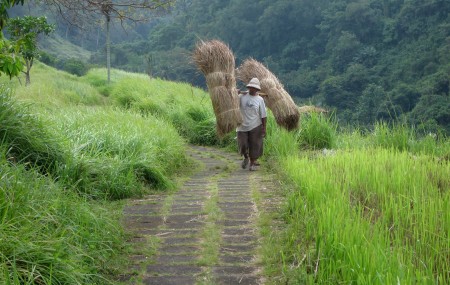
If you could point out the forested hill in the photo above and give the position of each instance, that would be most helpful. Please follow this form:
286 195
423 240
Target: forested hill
368 59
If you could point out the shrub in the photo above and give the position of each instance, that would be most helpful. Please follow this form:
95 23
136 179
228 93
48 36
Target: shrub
47 58
75 66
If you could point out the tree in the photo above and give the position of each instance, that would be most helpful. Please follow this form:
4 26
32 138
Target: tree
10 63
26 30
4 5
77 12
369 104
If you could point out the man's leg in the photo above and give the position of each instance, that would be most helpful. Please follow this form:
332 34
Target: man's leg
242 138
255 144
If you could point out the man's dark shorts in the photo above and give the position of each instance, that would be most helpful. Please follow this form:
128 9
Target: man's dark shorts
251 142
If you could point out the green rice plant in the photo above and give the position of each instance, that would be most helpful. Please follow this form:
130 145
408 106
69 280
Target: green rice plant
317 132
352 139
279 142
367 216
432 145
397 136
28 139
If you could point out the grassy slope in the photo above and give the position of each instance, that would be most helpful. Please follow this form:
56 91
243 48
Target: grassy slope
61 48
50 235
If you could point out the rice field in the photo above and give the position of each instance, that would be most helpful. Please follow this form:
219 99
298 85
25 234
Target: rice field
374 213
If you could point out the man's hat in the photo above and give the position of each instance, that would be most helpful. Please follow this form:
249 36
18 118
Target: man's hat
254 83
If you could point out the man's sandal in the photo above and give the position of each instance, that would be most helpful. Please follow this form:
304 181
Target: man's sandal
244 163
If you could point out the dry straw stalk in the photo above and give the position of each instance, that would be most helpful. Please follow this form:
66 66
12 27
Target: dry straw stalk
285 111
216 61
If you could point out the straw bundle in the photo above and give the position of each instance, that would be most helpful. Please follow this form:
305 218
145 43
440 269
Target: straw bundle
311 109
285 111
216 61
218 78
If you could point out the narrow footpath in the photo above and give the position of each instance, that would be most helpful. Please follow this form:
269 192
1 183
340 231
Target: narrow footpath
205 233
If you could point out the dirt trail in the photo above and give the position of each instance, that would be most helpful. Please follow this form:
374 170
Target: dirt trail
205 233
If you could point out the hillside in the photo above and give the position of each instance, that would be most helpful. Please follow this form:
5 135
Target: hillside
361 207
62 49
368 60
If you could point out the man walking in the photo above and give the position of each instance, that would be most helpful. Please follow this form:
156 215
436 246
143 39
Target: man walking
251 133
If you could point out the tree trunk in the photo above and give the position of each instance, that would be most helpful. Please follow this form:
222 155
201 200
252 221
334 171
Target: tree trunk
108 47
386 10
98 37
27 78
29 64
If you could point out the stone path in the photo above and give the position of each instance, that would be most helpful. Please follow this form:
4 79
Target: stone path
205 233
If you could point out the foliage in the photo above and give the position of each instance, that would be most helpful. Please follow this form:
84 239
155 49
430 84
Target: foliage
4 6
10 63
75 66
332 53
26 30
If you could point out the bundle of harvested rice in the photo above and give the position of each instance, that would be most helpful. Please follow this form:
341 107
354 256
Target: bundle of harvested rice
285 111
311 109
216 61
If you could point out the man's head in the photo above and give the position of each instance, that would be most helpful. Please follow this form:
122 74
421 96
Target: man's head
253 86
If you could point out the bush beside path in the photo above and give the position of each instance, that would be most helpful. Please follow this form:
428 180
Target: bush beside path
205 233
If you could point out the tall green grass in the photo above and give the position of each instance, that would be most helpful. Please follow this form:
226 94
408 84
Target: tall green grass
317 131
51 89
372 216
25 136
51 236
116 153
279 142
185 107
374 210
398 136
